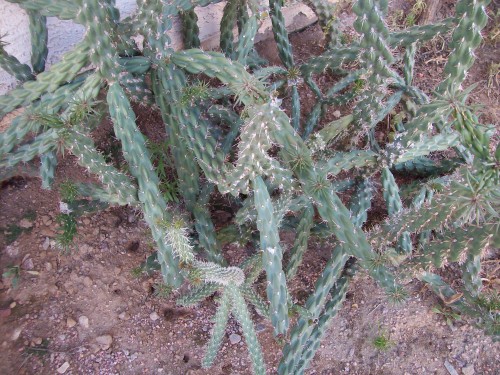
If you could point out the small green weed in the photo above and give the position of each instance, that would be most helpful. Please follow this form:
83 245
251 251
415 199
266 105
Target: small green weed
162 290
382 341
13 273
65 239
447 314
137 272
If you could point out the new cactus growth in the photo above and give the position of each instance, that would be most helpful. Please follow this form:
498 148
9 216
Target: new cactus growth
236 140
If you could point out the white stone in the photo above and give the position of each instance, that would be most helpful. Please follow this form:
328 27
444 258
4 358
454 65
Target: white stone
83 321
64 367
234 338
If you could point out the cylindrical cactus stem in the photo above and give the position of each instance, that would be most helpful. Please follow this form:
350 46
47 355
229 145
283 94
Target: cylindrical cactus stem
41 144
220 322
190 29
61 9
197 294
409 63
272 257
206 234
107 195
312 120
82 146
295 107
227 24
39 37
240 311
48 169
280 33
394 206
300 245
254 299
13 66
138 157
246 40
466 37
47 82
422 33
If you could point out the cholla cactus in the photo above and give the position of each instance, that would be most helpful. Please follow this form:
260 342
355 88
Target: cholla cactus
280 171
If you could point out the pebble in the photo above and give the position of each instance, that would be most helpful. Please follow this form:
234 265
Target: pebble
12 251
87 281
70 322
13 304
259 327
104 341
64 367
25 223
46 220
84 321
234 338
28 264
46 243
154 316
37 341
124 316
48 266
16 333
46 232
469 370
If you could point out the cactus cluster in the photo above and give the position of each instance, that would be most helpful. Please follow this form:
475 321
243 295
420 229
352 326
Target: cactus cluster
282 172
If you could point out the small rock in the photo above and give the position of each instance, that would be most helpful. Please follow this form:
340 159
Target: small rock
37 340
13 304
87 281
25 223
469 370
234 338
124 316
104 341
131 218
84 321
70 322
64 367
46 220
86 221
154 316
12 251
28 264
336 113
259 327
46 243
16 333
48 266
354 305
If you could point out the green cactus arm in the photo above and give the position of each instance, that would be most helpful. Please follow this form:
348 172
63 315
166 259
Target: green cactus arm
41 144
302 332
107 195
456 245
227 24
312 120
329 132
82 146
472 136
135 64
344 161
136 88
422 33
240 311
60 73
206 234
409 63
138 157
280 33
246 40
466 37
439 142
272 257
248 89
190 29
48 169
213 273
295 107
39 37
424 166
13 66
61 9
220 322
471 274
330 59
332 307
254 299
300 244
168 87
197 294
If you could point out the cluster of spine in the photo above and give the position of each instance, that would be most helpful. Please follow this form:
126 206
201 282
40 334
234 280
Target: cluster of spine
238 139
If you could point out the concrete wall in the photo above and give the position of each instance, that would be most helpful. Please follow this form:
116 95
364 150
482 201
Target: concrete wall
65 34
